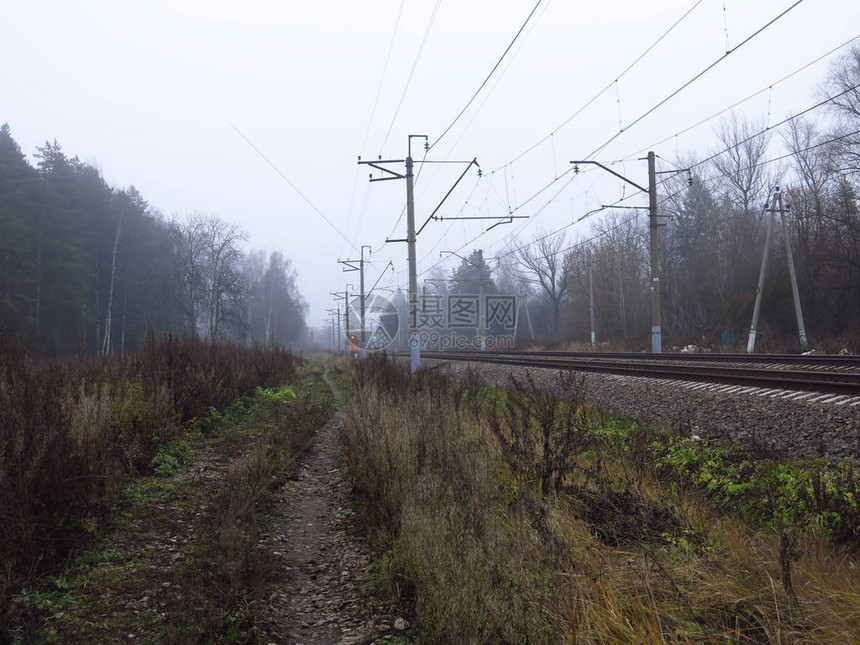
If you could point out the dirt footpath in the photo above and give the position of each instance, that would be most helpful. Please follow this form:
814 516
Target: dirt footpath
324 559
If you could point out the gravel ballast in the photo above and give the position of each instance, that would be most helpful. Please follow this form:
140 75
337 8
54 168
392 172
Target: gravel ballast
796 427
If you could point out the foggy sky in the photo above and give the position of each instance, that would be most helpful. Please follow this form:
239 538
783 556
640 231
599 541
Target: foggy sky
147 91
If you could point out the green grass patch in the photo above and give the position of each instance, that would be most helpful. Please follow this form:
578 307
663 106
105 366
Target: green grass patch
769 492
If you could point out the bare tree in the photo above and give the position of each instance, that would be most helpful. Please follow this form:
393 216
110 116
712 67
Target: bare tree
285 308
813 165
743 177
189 243
541 263
274 311
843 84
506 275
225 285
211 286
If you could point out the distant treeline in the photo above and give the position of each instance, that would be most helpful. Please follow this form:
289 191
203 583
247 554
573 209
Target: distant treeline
716 220
88 267
715 209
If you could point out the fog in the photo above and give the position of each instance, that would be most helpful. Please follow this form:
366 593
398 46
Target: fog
148 91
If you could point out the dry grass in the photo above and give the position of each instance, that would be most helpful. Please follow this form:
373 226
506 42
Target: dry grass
230 576
520 520
71 430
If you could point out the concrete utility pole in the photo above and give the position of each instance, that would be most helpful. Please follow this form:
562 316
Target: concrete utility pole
338 296
653 218
388 174
761 276
795 294
414 343
350 265
656 317
346 316
411 232
335 325
591 307
363 297
525 305
330 335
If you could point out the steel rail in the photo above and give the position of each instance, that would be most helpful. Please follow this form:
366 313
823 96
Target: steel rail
761 377
798 359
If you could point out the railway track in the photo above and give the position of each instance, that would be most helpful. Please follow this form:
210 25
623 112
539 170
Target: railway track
835 375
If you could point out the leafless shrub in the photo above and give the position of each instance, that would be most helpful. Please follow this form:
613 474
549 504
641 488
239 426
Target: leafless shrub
428 477
539 433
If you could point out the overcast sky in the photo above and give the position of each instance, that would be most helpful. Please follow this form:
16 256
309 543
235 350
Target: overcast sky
147 91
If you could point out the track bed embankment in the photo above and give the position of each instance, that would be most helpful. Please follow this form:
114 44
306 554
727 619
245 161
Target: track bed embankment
796 424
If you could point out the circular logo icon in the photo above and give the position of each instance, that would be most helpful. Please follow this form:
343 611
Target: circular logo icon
378 327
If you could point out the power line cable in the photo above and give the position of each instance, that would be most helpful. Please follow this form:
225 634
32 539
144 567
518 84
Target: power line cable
664 200
382 77
486 97
349 217
608 86
757 32
773 127
555 232
764 131
531 218
453 221
678 90
293 186
568 249
695 78
492 71
767 161
403 210
362 213
412 71
658 105
587 215
488 93
748 98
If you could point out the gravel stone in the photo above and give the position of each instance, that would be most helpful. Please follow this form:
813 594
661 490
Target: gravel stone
794 427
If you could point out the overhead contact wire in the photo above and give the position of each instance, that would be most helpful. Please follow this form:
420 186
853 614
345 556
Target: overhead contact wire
492 71
412 71
382 77
748 98
693 79
609 85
